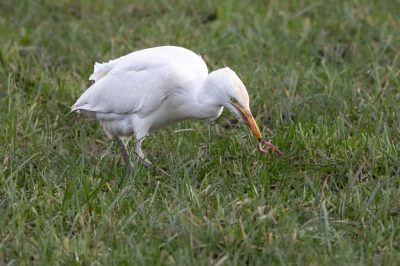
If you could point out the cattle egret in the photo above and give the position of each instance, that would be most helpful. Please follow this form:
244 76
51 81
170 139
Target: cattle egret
154 88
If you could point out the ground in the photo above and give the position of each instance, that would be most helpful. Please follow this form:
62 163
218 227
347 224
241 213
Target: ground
323 79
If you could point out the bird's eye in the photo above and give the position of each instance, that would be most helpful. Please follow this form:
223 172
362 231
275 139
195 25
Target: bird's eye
233 100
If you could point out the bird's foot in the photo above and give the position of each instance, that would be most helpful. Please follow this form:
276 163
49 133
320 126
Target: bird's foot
148 164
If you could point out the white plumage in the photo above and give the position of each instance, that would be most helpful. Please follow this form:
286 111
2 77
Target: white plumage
154 88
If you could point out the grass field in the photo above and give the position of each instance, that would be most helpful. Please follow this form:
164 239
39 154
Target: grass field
323 79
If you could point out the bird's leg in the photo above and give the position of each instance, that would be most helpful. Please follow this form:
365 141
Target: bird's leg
124 151
146 163
139 153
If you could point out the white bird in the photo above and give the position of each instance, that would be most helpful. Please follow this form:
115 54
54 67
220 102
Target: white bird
151 89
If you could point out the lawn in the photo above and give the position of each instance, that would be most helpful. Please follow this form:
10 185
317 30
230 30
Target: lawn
323 79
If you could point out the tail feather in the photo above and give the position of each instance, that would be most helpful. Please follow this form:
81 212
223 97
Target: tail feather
100 71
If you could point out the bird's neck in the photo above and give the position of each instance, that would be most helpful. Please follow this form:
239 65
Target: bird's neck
207 99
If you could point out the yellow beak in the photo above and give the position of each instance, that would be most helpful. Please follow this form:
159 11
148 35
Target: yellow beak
249 119
251 123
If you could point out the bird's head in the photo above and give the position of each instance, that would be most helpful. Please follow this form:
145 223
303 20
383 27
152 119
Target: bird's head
233 95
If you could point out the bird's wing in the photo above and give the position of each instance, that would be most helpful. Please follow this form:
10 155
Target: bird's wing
138 87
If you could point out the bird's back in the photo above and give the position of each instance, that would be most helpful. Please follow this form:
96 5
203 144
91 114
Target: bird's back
191 64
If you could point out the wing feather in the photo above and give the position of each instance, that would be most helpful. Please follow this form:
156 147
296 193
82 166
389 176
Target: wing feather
129 88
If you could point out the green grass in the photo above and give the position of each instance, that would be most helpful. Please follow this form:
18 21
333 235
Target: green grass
323 79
